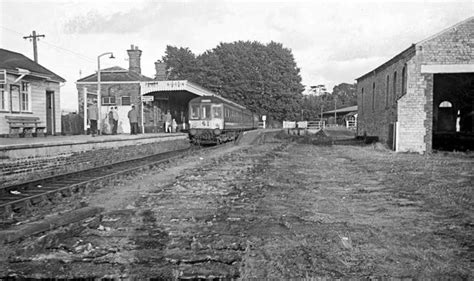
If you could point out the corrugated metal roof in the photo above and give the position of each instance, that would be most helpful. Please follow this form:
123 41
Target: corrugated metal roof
115 74
11 61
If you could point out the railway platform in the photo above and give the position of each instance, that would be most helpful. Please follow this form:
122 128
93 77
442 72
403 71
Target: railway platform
23 159
24 143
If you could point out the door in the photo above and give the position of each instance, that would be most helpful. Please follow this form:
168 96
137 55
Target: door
50 116
391 141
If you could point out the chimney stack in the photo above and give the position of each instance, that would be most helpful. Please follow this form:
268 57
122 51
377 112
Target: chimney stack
160 68
134 55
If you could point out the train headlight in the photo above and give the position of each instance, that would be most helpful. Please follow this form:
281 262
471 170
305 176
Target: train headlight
193 132
217 132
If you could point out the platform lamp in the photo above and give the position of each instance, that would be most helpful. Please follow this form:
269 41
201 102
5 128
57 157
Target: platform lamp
99 95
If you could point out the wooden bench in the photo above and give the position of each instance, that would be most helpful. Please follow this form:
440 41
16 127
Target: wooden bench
25 126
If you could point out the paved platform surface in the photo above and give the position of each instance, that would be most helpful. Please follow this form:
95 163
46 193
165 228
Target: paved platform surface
16 143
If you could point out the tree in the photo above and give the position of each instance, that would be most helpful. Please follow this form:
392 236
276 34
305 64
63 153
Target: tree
180 63
264 78
345 94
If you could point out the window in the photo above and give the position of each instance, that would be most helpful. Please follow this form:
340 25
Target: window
217 112
15 98
362 100
3 98
445 104
206 112
394 92
404 80
373 96
194 111
126 101
25 96
108 100
387 90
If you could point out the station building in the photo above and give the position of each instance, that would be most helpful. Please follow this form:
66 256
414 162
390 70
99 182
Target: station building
28 92
153 97
119 88
423 98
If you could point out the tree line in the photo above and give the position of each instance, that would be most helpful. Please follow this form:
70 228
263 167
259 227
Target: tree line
262 77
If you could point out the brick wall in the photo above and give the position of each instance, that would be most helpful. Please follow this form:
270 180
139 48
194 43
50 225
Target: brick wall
53 160
116 90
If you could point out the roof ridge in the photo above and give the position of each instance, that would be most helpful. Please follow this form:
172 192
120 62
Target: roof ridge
31 65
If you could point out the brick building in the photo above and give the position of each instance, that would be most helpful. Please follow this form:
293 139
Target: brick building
28 89
422 99
152 97
119 87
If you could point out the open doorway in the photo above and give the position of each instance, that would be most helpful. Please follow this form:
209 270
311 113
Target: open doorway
453 111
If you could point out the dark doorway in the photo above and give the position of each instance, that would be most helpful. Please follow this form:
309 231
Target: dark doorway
391 136
453 111
50 115
174 101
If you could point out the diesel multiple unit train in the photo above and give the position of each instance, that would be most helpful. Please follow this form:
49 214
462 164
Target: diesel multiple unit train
214 120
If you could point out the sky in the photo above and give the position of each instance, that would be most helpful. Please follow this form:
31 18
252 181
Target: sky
332 41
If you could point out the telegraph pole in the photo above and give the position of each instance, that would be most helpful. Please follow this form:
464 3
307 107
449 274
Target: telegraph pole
33 37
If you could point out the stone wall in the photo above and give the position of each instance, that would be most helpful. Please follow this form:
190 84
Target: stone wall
453 46
412 115
378 106
414 108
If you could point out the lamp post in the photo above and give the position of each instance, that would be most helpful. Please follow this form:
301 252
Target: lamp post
99 95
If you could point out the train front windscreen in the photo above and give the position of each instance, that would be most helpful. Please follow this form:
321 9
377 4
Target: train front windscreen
205 111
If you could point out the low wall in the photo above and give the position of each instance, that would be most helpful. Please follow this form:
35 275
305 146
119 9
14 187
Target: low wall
21 165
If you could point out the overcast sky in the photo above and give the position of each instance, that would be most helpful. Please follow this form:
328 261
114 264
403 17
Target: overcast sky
332 41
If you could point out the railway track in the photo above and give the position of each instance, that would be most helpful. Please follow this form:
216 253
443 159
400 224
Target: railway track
16 197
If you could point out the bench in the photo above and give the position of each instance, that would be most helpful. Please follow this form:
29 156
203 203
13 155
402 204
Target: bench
24 125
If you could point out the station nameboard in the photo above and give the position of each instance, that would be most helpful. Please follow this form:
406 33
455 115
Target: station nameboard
148 98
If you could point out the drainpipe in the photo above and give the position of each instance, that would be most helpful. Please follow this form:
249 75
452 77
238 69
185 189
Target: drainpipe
85 110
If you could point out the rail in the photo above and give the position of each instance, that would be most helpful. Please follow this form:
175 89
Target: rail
20 196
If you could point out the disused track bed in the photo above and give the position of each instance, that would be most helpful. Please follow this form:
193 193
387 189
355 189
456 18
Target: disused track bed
14 198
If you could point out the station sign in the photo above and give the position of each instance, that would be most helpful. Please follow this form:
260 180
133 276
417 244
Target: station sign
148 98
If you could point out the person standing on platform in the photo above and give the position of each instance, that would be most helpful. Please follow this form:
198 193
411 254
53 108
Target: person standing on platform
110 120
92 115
133 117
115 120
168 119
174 126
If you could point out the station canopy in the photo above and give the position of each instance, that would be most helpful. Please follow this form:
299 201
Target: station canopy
149 87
